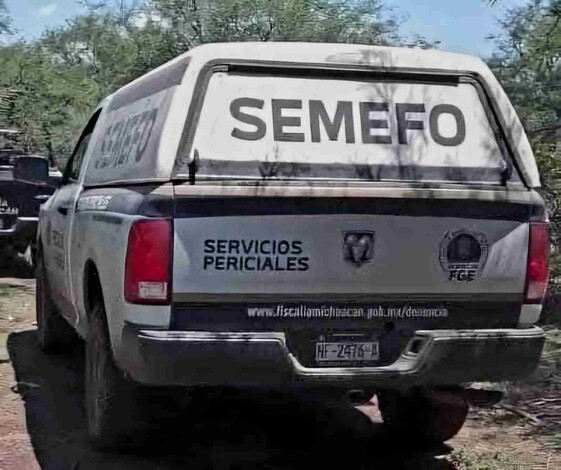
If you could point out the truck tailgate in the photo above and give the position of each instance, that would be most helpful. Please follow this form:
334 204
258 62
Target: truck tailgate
348 255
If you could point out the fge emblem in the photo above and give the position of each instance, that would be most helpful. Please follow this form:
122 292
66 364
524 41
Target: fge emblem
463 254
358 247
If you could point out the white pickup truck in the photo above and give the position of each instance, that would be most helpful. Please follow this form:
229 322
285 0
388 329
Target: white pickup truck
324 217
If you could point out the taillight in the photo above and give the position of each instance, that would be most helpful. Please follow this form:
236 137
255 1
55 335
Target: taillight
537 271
147 268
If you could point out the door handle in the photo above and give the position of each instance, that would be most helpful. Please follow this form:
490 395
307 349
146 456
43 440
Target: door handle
63 210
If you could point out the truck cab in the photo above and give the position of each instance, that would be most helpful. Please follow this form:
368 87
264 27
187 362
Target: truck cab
313 216
25 184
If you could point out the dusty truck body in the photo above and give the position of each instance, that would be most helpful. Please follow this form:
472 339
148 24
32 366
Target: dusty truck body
323 217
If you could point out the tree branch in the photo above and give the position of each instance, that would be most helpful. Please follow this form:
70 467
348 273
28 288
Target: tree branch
548 128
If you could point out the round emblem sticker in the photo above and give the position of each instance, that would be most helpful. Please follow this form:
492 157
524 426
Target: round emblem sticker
463 255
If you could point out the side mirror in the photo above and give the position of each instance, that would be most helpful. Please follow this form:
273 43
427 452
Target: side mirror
31 169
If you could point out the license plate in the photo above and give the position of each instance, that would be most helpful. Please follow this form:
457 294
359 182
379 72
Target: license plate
347 352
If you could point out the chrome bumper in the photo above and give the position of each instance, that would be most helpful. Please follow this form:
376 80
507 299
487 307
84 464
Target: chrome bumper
262 359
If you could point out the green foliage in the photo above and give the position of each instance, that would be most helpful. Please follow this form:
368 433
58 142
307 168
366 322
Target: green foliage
50 86
527 61
197 22
45 99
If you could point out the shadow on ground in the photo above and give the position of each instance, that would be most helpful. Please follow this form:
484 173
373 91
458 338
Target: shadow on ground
257 433
14 265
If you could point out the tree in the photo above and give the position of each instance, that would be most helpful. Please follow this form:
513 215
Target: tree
528 64
51 85
46 101
4 19
202 21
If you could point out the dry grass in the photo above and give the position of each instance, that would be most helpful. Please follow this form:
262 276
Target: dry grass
500 439
17 307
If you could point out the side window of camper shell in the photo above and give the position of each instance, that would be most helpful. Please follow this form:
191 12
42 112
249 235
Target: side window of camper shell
74 166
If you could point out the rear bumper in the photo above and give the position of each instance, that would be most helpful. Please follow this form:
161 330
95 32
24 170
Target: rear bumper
262 359
25 228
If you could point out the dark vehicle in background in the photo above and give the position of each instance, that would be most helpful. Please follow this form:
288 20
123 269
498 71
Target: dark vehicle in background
26 182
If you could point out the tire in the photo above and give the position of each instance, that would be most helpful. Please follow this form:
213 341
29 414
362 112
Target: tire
54 333
417 419
112 400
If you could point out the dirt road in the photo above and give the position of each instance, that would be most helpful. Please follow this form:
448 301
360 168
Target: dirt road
42 423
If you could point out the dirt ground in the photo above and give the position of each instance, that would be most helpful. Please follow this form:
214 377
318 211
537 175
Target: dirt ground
42 423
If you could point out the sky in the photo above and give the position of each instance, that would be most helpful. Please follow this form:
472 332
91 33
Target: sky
460 25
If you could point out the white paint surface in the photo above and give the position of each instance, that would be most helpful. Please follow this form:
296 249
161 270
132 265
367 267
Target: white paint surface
214 139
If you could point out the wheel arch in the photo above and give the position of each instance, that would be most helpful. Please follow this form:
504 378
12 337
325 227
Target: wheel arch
92 290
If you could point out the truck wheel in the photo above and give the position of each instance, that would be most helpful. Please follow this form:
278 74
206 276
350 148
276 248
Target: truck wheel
112 400
419 420
54 333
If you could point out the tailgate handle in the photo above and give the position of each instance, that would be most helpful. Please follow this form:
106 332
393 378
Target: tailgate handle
63 210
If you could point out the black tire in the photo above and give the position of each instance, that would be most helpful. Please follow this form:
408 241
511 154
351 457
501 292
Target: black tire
415 418
112 400
54 333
